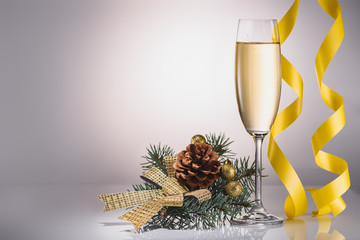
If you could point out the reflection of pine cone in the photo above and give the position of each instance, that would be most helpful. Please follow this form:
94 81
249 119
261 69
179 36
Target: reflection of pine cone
197 165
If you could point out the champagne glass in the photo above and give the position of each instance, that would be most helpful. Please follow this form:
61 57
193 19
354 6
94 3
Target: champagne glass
258 87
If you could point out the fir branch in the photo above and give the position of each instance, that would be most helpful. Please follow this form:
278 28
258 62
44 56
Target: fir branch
145 186
211 213
220 144
241 204
214 212
249 173
199 214
155 157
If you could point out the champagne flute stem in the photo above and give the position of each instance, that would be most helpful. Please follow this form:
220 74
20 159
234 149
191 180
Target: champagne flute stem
258 139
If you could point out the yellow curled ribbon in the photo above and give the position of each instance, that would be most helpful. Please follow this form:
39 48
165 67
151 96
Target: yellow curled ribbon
328 198
296 202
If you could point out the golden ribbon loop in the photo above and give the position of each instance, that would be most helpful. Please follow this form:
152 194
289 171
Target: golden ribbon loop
171 194
169 161
127 199
328 198
296 202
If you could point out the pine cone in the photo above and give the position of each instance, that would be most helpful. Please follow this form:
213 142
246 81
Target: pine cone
197 166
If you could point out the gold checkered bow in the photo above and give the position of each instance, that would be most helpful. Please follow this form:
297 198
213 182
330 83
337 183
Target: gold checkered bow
152 201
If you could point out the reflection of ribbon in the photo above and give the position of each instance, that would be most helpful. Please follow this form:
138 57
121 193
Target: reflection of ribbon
328 198
296 203
152 201
324 228
296 229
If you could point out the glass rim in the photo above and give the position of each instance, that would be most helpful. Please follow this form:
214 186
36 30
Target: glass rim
258 19
262 23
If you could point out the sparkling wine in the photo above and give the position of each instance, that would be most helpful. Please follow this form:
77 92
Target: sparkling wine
258 87
258 84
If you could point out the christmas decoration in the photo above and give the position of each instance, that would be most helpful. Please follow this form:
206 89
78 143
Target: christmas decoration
198 139
197 166
164 202
233 189
227 171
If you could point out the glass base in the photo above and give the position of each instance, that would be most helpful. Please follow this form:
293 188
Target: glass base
258 216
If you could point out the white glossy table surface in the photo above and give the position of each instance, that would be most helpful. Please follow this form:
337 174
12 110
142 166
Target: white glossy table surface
74 212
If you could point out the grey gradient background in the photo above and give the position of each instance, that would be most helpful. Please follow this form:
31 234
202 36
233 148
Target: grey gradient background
86 86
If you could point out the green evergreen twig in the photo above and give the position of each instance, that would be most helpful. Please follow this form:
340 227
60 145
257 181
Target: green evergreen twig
155 157
220 144
216 211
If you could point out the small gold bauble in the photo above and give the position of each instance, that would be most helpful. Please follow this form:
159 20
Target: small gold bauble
227 161
227 171
233 189
198 139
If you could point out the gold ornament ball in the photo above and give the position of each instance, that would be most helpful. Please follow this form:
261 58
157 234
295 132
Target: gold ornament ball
233 189
227 161
227 171
198 139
